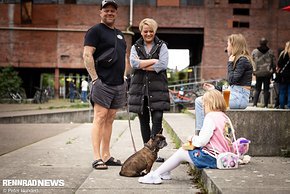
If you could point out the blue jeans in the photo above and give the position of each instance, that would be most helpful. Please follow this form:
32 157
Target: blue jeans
284 90
199 113
71 95
84 96
239 99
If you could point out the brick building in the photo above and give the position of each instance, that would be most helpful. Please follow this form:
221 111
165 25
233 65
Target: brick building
46 36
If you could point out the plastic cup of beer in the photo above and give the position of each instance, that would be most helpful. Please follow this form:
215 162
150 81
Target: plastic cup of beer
226 94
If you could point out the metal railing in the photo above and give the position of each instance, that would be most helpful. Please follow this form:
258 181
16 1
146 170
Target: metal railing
192 90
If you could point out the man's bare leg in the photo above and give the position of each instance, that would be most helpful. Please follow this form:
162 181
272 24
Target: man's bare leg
107 134
100 115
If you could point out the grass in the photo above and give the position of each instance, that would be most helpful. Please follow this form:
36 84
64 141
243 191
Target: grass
62 103
71 140
196 179
174 137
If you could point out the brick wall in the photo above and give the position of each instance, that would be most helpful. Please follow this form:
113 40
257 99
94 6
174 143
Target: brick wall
63 46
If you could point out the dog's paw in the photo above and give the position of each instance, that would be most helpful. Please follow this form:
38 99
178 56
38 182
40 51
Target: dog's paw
143 173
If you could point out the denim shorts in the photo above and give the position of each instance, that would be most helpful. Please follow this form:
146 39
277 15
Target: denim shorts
110 97
201 159
239 98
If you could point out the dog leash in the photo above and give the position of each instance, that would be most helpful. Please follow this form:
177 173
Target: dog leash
129 120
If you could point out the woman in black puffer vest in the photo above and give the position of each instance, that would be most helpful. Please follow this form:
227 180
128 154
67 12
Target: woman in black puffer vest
148 94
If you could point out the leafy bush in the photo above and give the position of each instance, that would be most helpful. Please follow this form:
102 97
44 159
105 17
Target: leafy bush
9 81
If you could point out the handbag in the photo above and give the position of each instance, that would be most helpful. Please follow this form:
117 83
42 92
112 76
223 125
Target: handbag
228 160
279 75
108 57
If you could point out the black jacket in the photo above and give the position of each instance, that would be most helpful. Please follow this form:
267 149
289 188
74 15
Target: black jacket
148 83
241 75
282 61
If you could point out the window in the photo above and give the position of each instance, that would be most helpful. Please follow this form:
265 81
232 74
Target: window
33 2
10 1
241 11
69 1
145 2
237 24
240 1
284 3
26 11
191 2
44 1
98 2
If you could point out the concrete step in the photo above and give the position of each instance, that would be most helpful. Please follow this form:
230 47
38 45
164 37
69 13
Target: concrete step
264 175
255 124
183 125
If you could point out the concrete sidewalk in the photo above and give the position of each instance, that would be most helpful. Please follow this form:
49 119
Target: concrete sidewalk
68 157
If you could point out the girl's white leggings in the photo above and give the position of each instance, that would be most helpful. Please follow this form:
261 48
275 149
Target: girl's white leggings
173 161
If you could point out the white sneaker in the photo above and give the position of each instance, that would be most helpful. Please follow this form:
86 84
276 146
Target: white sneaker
165 176
150 178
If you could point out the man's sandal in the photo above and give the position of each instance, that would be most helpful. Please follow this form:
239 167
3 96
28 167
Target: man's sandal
113 162
99 165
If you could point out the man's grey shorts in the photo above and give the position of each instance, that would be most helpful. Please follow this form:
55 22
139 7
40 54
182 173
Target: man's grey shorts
108 96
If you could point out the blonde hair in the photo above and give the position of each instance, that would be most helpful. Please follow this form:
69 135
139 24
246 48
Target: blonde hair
239 47
149 22
214 101
286 50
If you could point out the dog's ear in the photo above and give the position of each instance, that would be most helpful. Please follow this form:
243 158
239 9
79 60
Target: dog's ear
152 136
161 130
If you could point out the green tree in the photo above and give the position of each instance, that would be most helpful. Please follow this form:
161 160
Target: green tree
182 76
9 81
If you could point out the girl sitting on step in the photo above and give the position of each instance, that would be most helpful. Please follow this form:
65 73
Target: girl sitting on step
201 154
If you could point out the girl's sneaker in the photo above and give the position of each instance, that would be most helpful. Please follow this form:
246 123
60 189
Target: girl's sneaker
165 176
150 178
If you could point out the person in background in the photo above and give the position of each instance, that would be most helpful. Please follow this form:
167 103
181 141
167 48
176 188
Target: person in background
108 92
240 72
276 84
284 78
84 93
148 93
264 67
72 88
211 140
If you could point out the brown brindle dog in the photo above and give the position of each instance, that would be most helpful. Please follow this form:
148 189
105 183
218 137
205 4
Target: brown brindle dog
142 160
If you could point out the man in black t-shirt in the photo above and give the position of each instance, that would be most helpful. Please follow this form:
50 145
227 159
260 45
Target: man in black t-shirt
104 59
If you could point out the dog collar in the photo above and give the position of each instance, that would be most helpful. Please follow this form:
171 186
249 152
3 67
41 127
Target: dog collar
146 146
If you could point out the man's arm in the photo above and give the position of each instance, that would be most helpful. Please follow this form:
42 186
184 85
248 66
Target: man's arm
89 61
